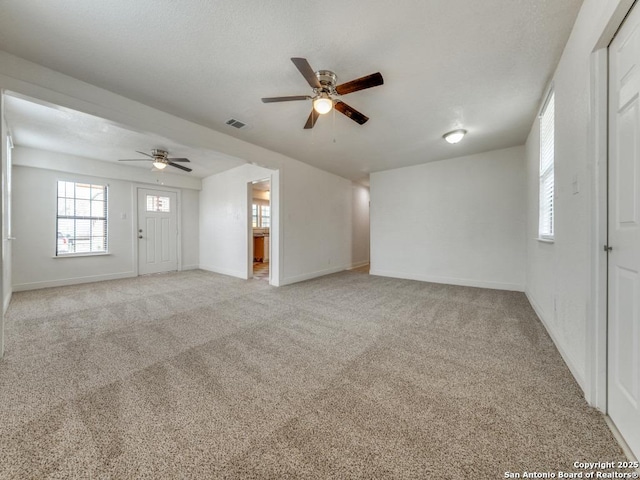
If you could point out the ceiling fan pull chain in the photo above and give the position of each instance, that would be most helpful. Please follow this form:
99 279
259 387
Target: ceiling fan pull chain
333 126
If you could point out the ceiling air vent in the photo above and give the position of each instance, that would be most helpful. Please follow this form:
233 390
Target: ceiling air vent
236 123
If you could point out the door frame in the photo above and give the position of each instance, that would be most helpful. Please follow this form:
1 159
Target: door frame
135 225
598 160
250 225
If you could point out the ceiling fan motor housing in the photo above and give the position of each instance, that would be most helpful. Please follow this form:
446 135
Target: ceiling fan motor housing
328 80
159 154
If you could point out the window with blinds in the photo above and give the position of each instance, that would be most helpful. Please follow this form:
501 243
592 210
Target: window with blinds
82 218
547 154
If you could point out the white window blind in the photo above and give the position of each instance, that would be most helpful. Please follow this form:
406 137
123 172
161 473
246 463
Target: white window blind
547 154
82 218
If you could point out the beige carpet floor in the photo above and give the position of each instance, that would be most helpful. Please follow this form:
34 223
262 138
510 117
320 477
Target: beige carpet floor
198 375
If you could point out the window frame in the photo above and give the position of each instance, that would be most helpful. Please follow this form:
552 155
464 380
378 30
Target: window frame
91 217
257 210
546 169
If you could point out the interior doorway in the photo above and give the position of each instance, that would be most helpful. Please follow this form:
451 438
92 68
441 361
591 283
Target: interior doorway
623 246
259 240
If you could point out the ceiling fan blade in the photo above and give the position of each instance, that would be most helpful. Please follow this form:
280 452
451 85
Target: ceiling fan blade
142 153
307 72
313 117
285 99
134 160
351 112
178 159
361 83
186 169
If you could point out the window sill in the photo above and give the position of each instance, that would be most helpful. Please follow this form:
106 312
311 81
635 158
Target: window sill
76 255
545 240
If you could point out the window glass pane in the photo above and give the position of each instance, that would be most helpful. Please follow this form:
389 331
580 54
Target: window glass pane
164 204
264 215
97 192
547 160
97 208
69 208
158 204
81 221
83 191
254 215
83 208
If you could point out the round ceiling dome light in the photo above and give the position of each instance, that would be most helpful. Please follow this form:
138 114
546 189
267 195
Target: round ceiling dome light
455 136
323 104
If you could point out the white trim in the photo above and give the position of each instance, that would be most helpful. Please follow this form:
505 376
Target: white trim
464 282
190 267
596 331
566 356
358 265
7 302
88 254
21 287
621 441
311 275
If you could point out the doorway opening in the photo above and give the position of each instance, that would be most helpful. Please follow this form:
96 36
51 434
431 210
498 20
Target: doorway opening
259 241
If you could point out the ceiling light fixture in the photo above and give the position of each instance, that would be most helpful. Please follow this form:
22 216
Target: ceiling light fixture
159 165
323 104
454 136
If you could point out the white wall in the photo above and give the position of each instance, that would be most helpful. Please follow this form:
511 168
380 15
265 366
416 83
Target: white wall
224 220
458 221
34 218
560 276
360 225
311 213
190 212
317 215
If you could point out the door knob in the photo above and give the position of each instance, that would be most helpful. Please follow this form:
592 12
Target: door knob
139 236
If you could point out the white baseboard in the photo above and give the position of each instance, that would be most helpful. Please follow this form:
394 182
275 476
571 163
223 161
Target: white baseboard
224 271
190 267
309 276
21 287
464 282
566 356
358 265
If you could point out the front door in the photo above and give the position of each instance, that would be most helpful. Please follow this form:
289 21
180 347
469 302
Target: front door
157 231
623 375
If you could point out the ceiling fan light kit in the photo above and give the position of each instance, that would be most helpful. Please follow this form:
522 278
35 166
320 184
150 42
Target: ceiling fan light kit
160 159
325 91
160 165
454 136
323 104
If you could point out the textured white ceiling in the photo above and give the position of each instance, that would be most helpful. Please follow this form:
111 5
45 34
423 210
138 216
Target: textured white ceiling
480 65
56 129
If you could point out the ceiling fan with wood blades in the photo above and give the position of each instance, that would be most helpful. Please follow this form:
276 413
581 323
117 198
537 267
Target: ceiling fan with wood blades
326 91
160 159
